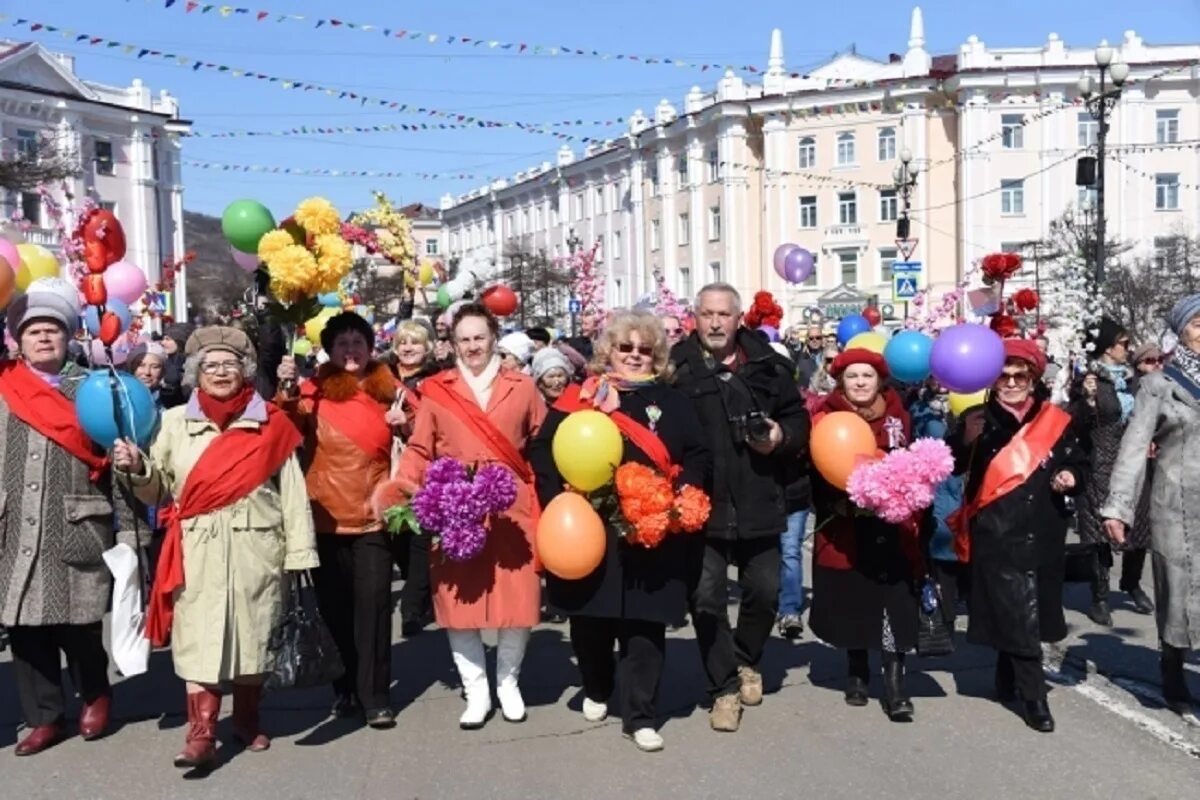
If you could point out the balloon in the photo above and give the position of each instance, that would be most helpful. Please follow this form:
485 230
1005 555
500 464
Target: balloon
125 282
966 358
92 319
875 342
313 328
330 300
302 347
962 402
798 266
771 331
871 314
500 300
456 288
110 328
8 252
425 274
587 448
134 417
838 444
245 222
8 283
907 355
570 537
850 327
247 261
120 351
94 290
102 228
36 262
780 258
443 297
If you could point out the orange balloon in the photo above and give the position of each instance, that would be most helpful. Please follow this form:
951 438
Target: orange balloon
8 282
838 443
570 537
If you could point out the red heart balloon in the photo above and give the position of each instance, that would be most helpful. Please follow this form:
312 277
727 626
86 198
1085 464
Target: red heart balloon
110 328
94 290
96 256
102 226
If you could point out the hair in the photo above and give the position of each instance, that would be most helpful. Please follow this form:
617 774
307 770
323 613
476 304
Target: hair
648 327
720 287
539 335
191 367
416 330
346 322
475 310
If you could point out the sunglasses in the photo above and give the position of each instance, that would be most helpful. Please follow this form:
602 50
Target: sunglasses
673 331
1154 362
1016 379
642 349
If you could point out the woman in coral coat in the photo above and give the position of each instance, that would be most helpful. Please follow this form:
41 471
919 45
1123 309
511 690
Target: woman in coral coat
480 414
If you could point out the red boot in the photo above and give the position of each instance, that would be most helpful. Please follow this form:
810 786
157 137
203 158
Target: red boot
246 700
93 720
200 749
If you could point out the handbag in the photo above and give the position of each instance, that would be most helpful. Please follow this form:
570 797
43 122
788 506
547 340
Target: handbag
301 648
935 633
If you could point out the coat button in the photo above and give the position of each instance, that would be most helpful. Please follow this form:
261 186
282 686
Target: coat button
25 551
31 520
33 486
35 456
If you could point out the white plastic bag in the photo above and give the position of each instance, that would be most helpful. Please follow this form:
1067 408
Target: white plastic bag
129 646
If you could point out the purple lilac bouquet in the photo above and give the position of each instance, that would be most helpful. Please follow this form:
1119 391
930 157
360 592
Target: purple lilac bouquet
453 504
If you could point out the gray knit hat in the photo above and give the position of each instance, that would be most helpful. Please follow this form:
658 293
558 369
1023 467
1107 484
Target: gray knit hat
1183 312
41 305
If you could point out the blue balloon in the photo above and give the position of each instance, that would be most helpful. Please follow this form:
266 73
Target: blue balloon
330 300
907 355
850 327
91 316
135 416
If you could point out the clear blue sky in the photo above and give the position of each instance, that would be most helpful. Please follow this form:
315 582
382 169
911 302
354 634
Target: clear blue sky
498 85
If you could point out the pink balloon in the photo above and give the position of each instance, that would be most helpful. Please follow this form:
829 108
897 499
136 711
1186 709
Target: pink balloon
8 251
125 282
247 261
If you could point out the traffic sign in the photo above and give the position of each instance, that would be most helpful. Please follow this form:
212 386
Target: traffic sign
574 305
906 247
906 280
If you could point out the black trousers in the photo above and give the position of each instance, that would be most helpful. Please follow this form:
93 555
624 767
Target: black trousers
723 649
354 592
638 673
1023 673
38 666
1133 562
411 553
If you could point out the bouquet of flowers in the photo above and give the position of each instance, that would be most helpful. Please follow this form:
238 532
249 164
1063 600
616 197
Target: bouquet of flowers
453 504
901 484
648 508
999 267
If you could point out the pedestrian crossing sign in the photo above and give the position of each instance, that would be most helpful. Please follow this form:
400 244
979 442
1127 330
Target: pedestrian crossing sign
906 281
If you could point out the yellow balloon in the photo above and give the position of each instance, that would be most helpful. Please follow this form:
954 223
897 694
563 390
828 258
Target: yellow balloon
302 347
425 273
962 402
587 448
875 342
313 328
36 262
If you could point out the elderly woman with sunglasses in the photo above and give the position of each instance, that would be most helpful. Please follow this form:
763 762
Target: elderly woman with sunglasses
637 590
1167 413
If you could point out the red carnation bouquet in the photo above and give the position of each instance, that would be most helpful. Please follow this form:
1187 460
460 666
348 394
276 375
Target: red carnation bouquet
647 507
999 267
764 311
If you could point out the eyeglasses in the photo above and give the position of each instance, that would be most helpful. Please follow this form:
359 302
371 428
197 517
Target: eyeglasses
220 367
642 349
673 331
1154 362
1015 378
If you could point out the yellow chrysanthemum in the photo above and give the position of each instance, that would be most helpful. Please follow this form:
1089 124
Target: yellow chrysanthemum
292 270
318 216
334 258
273 242
394 231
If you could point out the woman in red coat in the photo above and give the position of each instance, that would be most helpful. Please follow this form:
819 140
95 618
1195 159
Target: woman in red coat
864 569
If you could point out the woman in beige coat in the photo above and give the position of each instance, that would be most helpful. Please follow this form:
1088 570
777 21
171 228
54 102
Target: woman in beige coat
241 521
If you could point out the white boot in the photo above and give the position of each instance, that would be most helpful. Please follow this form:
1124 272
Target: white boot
469 658
510 651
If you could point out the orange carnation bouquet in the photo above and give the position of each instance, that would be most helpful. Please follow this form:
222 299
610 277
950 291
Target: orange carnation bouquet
650 508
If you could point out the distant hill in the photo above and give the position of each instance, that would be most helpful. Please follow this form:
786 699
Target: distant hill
214 282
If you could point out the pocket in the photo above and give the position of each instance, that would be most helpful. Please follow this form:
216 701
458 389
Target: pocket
89 529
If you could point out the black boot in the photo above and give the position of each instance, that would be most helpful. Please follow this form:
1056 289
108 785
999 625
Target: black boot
1175 690
1037 715
1132 562
1006 688
895 699
857 672
1099 613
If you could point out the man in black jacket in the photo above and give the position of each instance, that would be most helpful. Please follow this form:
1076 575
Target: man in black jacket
749 404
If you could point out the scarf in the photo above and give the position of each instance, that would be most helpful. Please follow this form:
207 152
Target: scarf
481 384
223 412
1118 375
603 391
1019 412
1187 361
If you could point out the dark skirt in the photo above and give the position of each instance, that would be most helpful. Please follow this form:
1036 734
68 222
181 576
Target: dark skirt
848 607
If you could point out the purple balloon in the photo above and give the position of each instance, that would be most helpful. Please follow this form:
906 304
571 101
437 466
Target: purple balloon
780 260
771 331
247 261
798 266
966 358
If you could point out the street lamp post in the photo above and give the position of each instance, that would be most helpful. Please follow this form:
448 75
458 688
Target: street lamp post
904 177
573 243
1100 105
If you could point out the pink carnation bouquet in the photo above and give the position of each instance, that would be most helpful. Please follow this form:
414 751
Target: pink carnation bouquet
900 485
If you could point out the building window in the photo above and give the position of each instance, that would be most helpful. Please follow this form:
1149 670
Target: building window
887 258
27 143
537 218
714 272
104 158
714 224
887 144
1086 197
655 233
653 173
431 247
849 264
685 230
599 199
31 208
1166 191
812 279
714 166
847 208
525 221
616 246
1012 197
887 205
579 206
681 169
1164 251
808 153
1088 130
454 243
808 211
509 225
554 214
685 281
845 150
1166 126
1012 131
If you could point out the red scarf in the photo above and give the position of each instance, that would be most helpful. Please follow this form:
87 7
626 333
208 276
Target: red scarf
638 434
474 419
223 412
45 409
359 418
232 466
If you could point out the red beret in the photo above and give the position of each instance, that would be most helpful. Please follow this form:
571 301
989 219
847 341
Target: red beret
1026 350
859 355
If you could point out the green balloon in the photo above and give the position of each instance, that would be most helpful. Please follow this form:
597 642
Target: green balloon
244 223
443 297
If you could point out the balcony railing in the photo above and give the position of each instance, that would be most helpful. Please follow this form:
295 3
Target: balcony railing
843 231
45 238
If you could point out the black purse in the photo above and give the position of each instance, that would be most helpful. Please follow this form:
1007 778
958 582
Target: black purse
301 648
935 632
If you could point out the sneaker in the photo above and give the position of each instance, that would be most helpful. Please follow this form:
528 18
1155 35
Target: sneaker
791 627
752 686
593 711
646 739
726 713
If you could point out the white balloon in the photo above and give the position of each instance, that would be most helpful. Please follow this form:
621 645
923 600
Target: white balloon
59 286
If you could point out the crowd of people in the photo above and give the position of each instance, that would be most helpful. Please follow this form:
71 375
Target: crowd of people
265 465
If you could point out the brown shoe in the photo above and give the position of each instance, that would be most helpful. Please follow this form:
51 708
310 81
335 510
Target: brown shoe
43 737
726 713
246 700
752 687
200 748
93 720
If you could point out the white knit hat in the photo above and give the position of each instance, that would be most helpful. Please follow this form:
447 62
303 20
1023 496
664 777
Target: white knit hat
549 358
517 345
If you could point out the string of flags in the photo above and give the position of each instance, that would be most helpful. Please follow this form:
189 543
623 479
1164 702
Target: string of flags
326 173
1152 176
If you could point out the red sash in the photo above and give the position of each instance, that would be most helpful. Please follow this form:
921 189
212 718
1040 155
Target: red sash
45 409
642 437
1010 468
360 419
475 420
233 465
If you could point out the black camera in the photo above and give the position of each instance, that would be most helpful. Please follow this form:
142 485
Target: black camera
751 427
